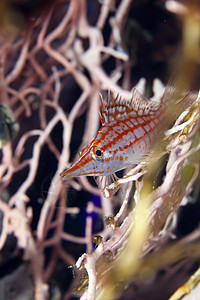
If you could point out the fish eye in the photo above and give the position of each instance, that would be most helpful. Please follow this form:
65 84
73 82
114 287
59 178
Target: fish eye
97 154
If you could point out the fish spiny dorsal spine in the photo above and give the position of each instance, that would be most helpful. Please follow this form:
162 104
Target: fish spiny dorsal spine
118 108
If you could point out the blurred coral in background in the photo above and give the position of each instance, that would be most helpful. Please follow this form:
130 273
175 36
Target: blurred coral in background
139 237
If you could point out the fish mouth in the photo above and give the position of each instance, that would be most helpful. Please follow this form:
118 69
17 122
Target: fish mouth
75 170
67 174
70 173
64 176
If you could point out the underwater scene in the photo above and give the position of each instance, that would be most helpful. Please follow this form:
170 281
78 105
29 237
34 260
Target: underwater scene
99 149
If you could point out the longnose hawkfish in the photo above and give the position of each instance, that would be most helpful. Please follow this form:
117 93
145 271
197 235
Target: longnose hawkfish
127 133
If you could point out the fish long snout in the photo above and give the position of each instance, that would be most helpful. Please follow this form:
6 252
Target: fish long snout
71 172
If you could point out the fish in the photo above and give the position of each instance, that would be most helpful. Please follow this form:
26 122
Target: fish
129 129
125 137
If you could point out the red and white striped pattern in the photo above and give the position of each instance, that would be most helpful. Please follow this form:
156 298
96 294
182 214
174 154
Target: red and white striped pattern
127 132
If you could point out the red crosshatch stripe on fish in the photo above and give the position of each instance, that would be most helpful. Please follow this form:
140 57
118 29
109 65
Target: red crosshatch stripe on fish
127 132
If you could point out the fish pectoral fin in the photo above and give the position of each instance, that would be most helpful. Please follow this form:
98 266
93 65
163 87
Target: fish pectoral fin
104 181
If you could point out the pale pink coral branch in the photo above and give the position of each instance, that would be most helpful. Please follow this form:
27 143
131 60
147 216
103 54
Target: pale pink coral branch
88 234
90 259
20 61
14 218
6 167
34 163
106 7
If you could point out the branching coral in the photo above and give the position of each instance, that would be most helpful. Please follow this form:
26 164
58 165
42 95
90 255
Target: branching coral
50 76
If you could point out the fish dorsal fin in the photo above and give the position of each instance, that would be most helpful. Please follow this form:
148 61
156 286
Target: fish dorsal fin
178 99
117 108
